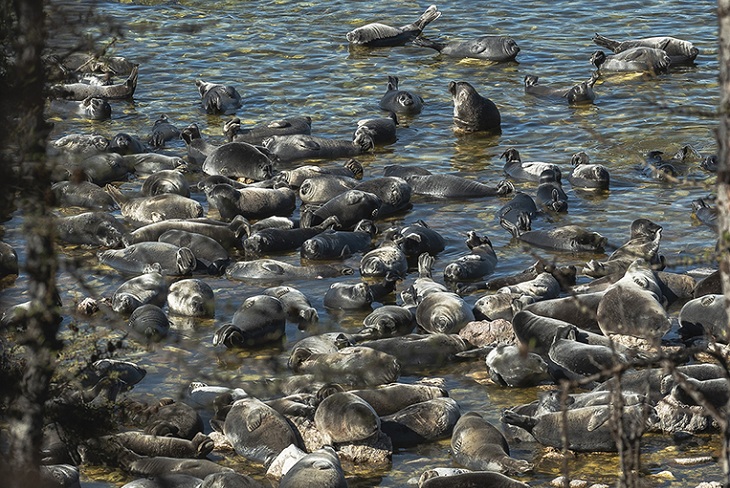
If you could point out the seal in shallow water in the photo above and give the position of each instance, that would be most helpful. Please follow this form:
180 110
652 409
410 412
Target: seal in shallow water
679 51
400 101
421 422
473 112
320 468
217 98
256 135
356 365
344 417
91 228
479 445
191 298
382 35
635 59
489 48
141 257
260 319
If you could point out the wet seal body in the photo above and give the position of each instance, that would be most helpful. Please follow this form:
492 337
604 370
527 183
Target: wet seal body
401 102
473 112
382 35
489 48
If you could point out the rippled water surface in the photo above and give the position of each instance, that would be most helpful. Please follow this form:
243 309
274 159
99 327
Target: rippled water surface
292 58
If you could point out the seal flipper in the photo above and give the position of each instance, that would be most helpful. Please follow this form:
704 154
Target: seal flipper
606 42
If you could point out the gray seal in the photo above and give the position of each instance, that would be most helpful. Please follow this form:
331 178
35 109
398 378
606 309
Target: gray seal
443 313
704 316
577 94
635 59
81 91
349 207
473 112
488 48
166 181
338 244
272 239
99 229
228 234
259 320
229 480
124 144
479 445
469 480
474 266
150 322
386 321
348 296
82 194
251 202
255 135
394 193
454 186
145 210
416 351
509 366
645 237
297 147
150 163
89 108
296 304
162 131
274 270
320 468
679 50
295 177
217 98
400 102
139 258
589 429
419 238
356 365
520 170
151 445
191 298
588 176
382 35
345 418
209 253
239 160
426 421
257 431
321 189
386 261
569 238
382 130
392 398
147 288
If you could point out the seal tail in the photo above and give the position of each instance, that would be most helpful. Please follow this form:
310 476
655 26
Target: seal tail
606 42
427 17
426 42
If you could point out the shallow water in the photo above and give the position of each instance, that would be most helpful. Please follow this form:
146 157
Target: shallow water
291 58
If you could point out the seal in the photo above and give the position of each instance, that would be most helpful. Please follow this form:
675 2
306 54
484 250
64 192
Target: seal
386 261
386 321
81 91
345 418
509 366
147 288
149 321
295 177
356 365
579 309
636 59
419 238
162 131
260 319
150 163
382 35
394 193
298 147
705 212
150 445
198 148
349 207
679 50
424 284
570 358
577 94
165 181
191 298
8 260
209 254
479 445
251 202
392 398
400 102
586 175
97 228
273 270
238 160
337 244
139 258
643 243
481 261
473 112
704 316
100 169
382 130
273 239
217 98
228 479
257 431
161 466
570 238
426 421
550 195
296 304
516 169
321 189
256 134
418 351
145 210
633 305
488 48
521 203
124 144
454 186
228 234
588 428
467 480
348 296
89 108
320 468
443 313
82 194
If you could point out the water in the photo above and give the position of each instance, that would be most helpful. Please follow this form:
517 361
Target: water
291 58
